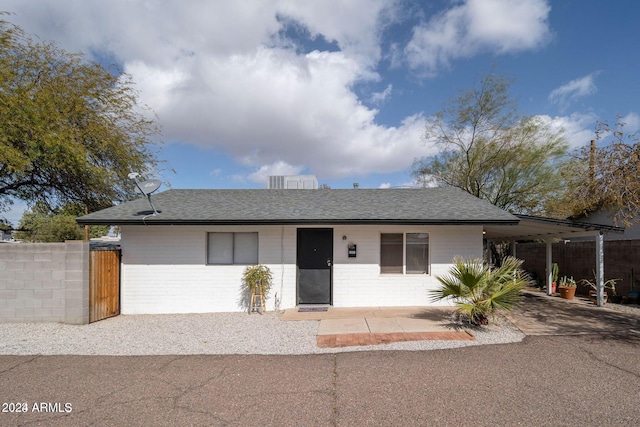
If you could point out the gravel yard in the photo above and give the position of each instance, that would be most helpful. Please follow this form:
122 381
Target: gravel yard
212 333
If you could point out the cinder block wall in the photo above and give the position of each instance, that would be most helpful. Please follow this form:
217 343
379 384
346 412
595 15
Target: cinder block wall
44 282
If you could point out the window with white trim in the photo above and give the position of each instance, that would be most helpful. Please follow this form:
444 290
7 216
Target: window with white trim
417 253
404 253
226 248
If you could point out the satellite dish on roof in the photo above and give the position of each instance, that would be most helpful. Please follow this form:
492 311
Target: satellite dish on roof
146 188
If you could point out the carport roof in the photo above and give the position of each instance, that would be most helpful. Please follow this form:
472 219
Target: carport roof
534 227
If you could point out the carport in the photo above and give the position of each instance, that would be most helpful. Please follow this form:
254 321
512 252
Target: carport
549 229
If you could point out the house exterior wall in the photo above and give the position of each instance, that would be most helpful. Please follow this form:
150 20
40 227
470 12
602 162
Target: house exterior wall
164 268
357 282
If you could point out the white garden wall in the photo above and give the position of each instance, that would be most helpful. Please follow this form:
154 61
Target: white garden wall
164 267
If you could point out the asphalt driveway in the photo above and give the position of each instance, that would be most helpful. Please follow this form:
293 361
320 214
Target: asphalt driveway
577 376
544 315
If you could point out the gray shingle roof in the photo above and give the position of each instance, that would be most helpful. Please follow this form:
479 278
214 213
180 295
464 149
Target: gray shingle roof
349 206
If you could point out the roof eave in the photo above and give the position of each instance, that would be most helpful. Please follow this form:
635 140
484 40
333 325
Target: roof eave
576 224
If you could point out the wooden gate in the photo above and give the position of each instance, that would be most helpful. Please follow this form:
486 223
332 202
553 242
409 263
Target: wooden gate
104 283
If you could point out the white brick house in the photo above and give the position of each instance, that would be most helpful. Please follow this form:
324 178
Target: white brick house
346 248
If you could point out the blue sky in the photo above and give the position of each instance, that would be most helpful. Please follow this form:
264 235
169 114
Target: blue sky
341 89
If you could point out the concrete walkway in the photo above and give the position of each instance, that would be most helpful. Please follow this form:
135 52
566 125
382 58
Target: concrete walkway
343 327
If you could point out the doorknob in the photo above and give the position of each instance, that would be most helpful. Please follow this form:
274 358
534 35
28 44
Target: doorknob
329 262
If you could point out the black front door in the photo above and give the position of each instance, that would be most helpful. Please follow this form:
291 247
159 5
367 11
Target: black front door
315 257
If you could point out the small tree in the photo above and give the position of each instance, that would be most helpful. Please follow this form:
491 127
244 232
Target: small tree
479 290
487 150
5 225
42 224
606 175
71 130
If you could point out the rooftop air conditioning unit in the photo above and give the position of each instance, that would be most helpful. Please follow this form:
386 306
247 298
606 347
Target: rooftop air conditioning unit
293 182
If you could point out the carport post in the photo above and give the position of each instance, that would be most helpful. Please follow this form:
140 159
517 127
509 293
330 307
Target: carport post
549 267
600 268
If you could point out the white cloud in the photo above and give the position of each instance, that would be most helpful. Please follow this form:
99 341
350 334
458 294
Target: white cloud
478 26
410 184
576 88
276 105
277 168
165 31
378 98
632 123
578 128
220 75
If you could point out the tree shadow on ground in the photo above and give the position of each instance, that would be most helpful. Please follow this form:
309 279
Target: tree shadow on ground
554 316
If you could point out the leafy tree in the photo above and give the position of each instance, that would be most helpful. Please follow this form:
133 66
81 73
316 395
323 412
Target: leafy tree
70 130
606 175
41 224
489 151
479 290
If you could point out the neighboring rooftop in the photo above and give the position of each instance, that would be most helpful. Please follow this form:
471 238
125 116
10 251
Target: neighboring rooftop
343 206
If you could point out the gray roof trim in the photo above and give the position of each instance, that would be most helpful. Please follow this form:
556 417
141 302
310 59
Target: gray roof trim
574 224
535 227
148 221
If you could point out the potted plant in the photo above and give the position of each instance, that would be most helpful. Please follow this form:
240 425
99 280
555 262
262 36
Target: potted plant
567 287
257 283
554 277
593 292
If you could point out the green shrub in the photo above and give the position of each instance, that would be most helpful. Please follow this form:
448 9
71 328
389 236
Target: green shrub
257 276
479 290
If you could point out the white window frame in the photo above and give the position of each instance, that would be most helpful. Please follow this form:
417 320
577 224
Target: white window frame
233 249
404 256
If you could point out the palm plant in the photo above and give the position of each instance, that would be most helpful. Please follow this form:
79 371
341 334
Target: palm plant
479 290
